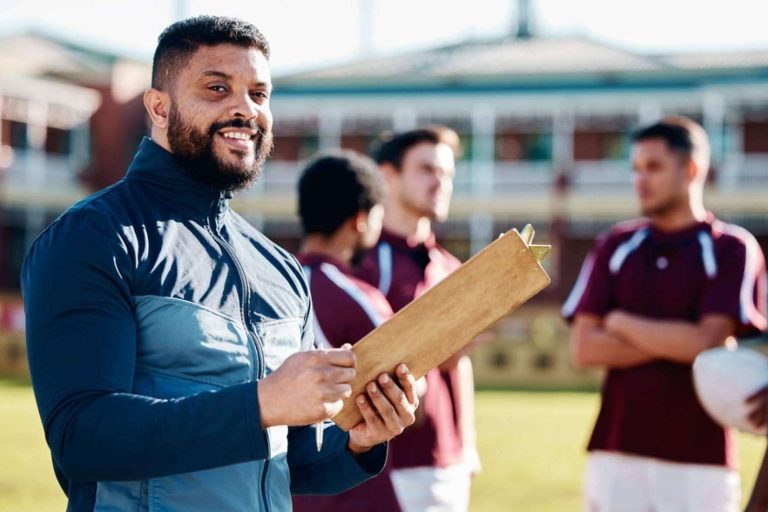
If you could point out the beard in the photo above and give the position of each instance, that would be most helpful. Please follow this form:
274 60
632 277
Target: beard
193 150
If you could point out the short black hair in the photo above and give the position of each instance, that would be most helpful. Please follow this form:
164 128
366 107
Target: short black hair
682 135
334 187
180 41
394 146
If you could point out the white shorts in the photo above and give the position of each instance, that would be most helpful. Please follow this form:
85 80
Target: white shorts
617 482
429 489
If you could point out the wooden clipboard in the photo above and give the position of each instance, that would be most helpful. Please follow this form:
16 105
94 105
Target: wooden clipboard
446 318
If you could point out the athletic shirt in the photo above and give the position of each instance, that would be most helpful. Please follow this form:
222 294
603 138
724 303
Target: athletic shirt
403 270
346 309
708 268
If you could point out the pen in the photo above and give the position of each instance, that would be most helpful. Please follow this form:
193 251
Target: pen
319 435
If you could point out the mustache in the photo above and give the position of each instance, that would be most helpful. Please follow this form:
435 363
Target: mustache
236 123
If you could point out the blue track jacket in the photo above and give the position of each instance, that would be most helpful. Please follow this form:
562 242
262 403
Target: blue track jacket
152 312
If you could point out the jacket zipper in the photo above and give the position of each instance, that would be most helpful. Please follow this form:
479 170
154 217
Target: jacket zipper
254 337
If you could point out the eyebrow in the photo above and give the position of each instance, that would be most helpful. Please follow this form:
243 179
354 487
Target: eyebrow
221 74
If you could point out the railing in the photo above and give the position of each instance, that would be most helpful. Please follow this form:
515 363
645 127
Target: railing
277 179
30 170
600 176
744 172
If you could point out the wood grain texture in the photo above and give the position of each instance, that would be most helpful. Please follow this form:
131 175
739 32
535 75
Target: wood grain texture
446 318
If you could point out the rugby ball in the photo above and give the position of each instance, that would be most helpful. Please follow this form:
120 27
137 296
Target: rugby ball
724 378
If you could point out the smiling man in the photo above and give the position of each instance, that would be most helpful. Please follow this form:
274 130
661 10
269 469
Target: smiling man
168 340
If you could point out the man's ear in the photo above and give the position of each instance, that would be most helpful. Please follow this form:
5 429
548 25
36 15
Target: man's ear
390 172
360 221
158 104
693 171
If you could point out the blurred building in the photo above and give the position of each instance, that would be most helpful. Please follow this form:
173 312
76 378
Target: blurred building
71 117
545 126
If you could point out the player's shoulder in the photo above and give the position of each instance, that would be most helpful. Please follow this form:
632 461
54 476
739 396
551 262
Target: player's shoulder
621 232
336 285
732 236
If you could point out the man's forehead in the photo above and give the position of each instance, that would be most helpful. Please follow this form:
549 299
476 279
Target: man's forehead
231 62
650 147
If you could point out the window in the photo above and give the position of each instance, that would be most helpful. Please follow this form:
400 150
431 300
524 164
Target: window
530 147
600 145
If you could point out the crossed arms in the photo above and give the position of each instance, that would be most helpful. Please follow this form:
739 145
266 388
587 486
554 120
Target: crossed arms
621 339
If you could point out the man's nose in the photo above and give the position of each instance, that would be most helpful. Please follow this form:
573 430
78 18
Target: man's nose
243 106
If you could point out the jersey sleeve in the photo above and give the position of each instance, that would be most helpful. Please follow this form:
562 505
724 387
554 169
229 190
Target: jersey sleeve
593 291
738 289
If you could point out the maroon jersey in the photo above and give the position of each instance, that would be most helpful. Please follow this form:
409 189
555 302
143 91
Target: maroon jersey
403 270
709 268
346 309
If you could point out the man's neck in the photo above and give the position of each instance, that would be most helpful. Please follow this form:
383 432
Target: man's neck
680 218
413 227
330 247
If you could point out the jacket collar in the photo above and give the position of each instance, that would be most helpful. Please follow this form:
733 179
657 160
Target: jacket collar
157 167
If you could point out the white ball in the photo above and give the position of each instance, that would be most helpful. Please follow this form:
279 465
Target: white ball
724 378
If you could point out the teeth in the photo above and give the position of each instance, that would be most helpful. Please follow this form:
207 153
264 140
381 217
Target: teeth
236 135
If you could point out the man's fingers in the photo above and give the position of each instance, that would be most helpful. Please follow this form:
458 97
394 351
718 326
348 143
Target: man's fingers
369 415
339 357
759 395
757 417
394 394
333 392
339 374
408 383
383 406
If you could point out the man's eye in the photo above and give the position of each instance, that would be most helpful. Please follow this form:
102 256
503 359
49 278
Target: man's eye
261 94
217 88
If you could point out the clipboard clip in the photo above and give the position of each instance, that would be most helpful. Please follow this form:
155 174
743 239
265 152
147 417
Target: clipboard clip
539 251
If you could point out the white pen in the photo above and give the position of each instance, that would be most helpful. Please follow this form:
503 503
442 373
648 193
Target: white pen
319 435
319 428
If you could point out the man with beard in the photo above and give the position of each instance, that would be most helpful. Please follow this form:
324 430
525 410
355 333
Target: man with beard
653 294
168 340
340 197
432 461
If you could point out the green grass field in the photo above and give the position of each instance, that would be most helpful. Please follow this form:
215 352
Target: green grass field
531 445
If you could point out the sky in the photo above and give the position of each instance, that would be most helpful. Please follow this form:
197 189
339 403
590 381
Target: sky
312 33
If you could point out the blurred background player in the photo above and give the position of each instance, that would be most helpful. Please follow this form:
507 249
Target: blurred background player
433 462
340 196
652 295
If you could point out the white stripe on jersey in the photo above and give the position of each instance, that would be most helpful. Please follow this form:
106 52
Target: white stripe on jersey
385 267
708 254
343 282
625 249
321 341
751 269
572 302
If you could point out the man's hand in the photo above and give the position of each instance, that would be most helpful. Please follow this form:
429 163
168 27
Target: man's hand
759 401
307 388
387 410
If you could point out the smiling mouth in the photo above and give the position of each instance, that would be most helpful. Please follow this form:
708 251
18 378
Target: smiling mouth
241 139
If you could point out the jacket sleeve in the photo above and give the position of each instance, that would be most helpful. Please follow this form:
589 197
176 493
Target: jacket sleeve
81 343
334 469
